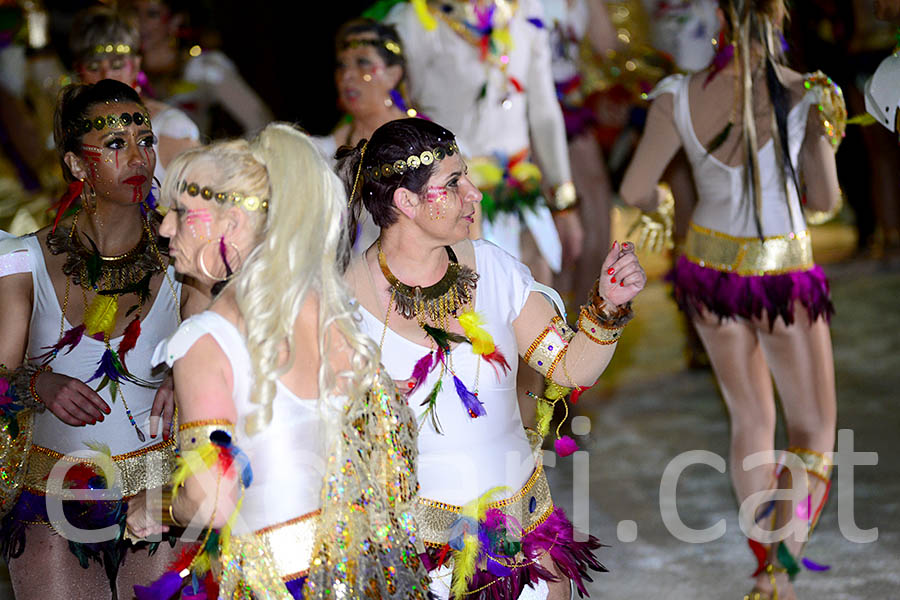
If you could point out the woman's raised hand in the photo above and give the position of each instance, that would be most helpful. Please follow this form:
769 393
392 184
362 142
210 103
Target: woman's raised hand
623 276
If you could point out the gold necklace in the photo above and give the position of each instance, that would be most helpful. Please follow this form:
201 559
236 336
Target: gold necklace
435 302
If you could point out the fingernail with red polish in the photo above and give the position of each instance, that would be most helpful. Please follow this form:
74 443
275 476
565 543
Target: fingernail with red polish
610 271
612 279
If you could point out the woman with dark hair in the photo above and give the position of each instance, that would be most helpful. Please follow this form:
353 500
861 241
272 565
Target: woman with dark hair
369 76
106 45
761 140
85 303
484 505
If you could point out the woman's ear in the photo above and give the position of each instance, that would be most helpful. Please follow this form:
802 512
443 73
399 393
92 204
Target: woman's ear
76 165
406 202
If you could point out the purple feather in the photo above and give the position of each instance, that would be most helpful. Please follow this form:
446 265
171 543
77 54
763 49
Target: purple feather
164 588
149 203
106 368
536 22
420 372
397 98
720 61
224 254
470 401
729 295
814 566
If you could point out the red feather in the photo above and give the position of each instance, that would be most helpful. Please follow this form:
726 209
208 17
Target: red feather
516 84
212 586
576 393
761 553
226 459
79 476
184 559
129 339
496 359
65 201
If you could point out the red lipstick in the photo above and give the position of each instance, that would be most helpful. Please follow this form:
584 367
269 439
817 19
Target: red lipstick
136 180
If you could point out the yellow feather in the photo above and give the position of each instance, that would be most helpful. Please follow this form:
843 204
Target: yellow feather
104 460
464 566
544 416
421 8
482 342
100 316
192 462
554 391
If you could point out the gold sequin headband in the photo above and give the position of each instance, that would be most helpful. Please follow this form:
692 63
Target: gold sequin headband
247 202
124 120
389 45
399 167
112 49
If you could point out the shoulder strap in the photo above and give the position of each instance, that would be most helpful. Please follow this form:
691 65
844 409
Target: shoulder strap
15 257
226 335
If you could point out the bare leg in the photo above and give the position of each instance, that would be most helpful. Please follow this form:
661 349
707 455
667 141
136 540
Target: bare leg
740 368
142 569
47 570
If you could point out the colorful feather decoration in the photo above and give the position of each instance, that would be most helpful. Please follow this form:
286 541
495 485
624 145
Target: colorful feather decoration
443 338
129 339
100 316
470 401
421 8
70 338
431 401
73 191
466 559
544 414
420 372
104 460
482 342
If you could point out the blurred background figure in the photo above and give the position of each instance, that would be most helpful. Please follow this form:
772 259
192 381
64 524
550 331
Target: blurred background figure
369 76
106 45
195 79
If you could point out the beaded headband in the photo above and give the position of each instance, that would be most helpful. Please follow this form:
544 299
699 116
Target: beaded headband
247 202
389 45
124 120
399 167
118 48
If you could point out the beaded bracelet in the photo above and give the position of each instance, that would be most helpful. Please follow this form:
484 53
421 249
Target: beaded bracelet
33 381
602 324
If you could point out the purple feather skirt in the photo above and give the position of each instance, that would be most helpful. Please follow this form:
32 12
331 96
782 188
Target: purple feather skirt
555 537
728 295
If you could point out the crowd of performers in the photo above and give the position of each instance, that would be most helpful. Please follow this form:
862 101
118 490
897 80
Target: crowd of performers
311 377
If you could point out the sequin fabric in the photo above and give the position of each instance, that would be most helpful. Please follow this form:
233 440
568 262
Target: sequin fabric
13 457
749 256
365 543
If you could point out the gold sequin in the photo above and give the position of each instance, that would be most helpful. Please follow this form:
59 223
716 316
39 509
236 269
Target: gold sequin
13 458
196 433
749 256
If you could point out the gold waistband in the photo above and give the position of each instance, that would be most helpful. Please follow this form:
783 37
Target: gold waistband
749 256
263 561
530 506
136 471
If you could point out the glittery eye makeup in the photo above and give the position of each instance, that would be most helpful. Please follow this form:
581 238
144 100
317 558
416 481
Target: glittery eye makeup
437 199
199 217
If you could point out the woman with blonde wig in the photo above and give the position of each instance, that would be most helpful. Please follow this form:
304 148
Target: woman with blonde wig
288 428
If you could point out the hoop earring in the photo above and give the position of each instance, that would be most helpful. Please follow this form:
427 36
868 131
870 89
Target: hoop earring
205 270
88 197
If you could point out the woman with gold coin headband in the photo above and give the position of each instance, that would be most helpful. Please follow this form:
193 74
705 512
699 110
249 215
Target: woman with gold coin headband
85 422
761 140
297 455
451 317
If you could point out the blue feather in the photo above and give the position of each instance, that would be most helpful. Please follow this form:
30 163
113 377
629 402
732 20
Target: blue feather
470 401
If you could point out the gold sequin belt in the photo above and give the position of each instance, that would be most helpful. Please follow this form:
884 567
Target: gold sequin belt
267 558
749 256
136 471
530 506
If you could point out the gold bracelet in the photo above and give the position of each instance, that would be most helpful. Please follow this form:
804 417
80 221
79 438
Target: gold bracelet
194 434
168 516
596 331
564 196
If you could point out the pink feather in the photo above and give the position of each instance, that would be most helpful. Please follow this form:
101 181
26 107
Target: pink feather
420 372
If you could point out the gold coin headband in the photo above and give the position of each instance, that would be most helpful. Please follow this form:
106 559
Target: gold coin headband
112 49
111 121
399 167
247 202
389 45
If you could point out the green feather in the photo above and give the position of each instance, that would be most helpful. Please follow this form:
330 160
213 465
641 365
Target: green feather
720 138
787 560
93 264
431 401
379 10
443 338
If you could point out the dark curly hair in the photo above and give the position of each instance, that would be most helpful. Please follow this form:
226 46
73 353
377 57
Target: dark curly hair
393 141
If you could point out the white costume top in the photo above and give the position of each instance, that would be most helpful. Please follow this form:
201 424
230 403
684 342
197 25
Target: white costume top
174 123
446 77
289 456
212 78
472 455
721 203
114 430
567 21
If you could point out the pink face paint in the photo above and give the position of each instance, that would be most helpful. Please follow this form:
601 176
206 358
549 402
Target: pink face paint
195 217
437 199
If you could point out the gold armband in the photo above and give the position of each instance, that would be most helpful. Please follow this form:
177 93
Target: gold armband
564 196
196 433
549 347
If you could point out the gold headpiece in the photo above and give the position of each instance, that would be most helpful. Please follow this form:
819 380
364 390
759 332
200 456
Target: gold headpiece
399 167
362 155
247 202
390 45
118 48
124 120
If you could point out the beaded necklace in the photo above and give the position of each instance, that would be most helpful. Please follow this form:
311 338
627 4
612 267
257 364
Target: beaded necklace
438 303
110 278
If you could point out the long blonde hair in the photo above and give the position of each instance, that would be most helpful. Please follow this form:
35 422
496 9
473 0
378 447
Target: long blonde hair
302 238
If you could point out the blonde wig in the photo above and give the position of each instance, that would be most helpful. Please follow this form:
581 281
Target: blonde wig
301 241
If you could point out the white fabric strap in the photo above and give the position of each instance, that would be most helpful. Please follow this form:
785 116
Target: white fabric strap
551 295
14 256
